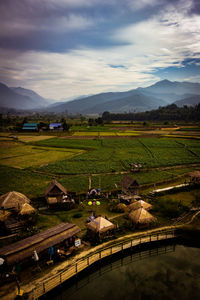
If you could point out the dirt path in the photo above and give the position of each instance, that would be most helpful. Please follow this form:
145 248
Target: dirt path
117 173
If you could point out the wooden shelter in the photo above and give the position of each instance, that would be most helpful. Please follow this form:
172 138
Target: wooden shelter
23 250
130 186
27 209
55 193
13 201
141 217
4 215
140 204
100 227
194 177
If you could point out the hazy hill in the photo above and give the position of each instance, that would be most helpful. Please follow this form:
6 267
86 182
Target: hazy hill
141 99
160 94
10 99
37 100
189 101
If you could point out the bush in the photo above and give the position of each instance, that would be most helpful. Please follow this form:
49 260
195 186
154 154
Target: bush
169 208
77 215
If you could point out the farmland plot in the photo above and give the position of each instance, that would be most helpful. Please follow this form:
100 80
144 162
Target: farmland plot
112 155
24 156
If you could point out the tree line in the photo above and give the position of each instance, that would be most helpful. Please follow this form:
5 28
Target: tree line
167 113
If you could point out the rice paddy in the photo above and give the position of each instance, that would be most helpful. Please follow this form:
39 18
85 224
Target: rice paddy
106 160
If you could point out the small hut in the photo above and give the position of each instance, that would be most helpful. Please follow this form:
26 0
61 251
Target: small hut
22 251
100 227
130 186
27 210
195 177
140 204
13 201
141 217
121 207
55 193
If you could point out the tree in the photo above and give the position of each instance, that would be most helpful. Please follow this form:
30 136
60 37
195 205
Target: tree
66 126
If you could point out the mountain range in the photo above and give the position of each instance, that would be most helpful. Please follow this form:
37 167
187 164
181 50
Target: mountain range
141 99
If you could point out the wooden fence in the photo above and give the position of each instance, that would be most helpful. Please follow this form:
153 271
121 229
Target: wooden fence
117 246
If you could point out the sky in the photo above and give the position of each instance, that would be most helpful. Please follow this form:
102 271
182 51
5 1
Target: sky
63 49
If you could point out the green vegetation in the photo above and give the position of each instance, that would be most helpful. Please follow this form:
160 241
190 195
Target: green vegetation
29 167
24 156
115 155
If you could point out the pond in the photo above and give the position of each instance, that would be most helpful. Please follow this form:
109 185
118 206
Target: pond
164 272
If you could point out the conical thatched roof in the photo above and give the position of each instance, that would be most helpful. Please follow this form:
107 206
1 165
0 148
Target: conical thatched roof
13 200
141 216
121 207
53 184
100 225
140 204
27 209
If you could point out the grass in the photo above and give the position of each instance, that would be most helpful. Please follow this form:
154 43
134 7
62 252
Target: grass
73 160
25 156
85 133
186 198
109 155
33 138
31 184
51 218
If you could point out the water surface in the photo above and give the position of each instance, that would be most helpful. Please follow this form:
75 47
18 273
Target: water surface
167 272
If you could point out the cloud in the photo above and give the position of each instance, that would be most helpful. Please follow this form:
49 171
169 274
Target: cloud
137 5
163 40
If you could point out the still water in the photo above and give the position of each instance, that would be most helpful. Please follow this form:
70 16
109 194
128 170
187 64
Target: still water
166 272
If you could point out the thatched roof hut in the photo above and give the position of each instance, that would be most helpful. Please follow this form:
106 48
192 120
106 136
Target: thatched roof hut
100 225
129 185
21 250
121 207
55 187
140 204
141 216
27 209
54 192
13 200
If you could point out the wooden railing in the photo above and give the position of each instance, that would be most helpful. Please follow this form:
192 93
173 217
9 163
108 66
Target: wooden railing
117 246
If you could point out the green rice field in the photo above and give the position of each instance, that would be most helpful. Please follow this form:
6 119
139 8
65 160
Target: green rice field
29 166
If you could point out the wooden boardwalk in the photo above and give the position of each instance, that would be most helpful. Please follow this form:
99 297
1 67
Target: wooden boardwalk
115 247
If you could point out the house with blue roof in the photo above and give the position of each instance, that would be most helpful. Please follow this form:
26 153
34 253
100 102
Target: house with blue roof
56 127
30 127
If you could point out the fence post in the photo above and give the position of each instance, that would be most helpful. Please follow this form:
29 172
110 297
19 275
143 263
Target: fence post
131 244
122 247
76 268
100 254
88 261
44 287
111 250
60 277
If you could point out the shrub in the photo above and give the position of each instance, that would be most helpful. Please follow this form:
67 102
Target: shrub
77 215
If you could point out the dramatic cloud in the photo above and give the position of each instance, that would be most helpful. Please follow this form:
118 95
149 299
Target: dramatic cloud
65 48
